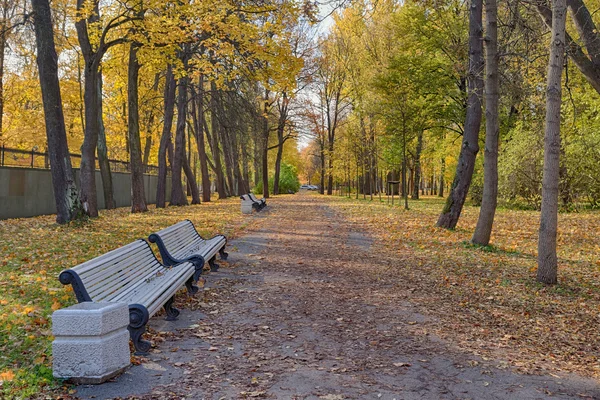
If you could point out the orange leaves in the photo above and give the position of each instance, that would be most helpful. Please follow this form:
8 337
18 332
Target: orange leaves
7 376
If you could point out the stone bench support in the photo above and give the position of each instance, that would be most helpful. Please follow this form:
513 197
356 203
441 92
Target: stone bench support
91 342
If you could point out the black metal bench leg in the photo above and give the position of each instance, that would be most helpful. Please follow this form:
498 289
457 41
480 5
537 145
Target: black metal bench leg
223 254
172 312
138 318
191 288
214 267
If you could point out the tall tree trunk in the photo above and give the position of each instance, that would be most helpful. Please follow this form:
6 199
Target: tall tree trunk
67 202
489 200
138 195
189 174
442 173
283 116
87 168
198 118
322 182
547 258
265 148
178 197
215 127
330 168
165 139
404 166
418 174
147 149
91 98
278 158
470 143
103 163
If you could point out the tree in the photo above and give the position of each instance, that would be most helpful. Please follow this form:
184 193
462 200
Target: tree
94 45
138 196
483 230
470 143
547 258
67 202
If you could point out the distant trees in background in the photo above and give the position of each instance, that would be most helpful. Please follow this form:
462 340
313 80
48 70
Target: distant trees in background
413 93
185 85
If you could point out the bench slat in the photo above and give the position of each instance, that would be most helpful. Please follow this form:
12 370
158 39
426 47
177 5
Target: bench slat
83 268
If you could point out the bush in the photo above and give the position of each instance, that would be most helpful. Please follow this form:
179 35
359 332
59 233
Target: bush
288 181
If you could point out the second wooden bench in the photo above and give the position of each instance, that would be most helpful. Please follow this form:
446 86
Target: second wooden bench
182 242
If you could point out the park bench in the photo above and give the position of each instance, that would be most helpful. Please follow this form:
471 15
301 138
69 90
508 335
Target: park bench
182 242
251 199
132 274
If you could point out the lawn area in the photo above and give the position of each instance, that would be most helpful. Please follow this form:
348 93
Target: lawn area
33 251
486 300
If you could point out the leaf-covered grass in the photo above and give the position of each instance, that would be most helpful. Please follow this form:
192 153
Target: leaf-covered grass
33 251
486 299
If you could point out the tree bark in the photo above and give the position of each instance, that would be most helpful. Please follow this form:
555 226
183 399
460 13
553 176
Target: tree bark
165 139
191 179
442 173
67 202
87 168
138 195
483 230
470 146
215 127
418 175
91 72
198 118
103 163
283 116
265 148
178 197
547 258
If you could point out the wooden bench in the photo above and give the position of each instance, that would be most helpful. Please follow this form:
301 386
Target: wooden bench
250 198
132 274
182 242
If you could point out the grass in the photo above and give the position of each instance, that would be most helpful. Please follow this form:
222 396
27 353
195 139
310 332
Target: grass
33 251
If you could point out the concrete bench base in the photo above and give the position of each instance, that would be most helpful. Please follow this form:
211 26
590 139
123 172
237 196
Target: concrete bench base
91 342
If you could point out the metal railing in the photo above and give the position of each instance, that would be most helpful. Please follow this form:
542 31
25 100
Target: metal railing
33 158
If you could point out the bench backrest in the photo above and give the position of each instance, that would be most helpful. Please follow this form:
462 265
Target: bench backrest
245 197
113 275
253 197
178 239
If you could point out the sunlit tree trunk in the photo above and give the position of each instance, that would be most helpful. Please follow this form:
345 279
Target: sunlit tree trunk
138 195
66 198
165 139
547 258
215 126
265 148
470 143
198 117
483 230
103 163
178 197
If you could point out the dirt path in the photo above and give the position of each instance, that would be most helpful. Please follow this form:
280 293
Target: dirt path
301 312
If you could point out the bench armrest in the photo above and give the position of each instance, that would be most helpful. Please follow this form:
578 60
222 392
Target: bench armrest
70 277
